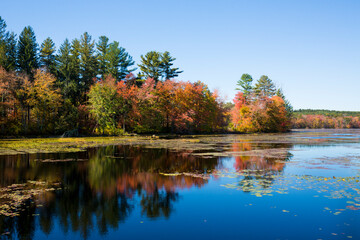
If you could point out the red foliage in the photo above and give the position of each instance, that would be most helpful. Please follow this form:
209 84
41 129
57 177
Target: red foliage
322 121
259 114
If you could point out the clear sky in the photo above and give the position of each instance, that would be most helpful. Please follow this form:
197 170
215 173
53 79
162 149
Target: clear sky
311 48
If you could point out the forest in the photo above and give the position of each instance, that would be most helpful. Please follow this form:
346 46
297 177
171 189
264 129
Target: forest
309 118
88 87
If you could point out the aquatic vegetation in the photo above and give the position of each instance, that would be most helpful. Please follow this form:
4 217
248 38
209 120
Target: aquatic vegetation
13 197
257 183
290 177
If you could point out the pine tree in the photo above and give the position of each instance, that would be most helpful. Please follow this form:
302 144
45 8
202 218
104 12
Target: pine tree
168 71
75 84
66 72
102 48
119 61
75 60
158 66
265 87
11 52
3 31
7 48
47 56
126 62
88 63
27 52
3 41
288 107
151 66
245 84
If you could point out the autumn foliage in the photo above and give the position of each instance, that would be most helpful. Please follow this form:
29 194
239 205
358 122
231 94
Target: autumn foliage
323 121
29 105
169 106
257 111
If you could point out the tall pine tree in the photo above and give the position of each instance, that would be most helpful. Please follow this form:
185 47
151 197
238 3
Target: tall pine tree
3 42
67 75
158 66
47 56
102 47
168 71
265 87
7 48
27 52
88 63
119 61
151 66
11 52
245 84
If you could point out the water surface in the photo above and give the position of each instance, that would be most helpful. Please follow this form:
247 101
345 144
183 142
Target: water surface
301 185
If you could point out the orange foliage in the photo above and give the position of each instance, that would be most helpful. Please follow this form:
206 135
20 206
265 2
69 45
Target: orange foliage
259 114
248 162
322 121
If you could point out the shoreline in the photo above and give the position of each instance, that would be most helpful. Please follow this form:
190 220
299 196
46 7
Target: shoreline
198 142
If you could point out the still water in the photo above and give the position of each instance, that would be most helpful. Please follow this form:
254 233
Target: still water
301 185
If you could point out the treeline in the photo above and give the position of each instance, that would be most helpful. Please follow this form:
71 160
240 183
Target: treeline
90 87
324 121
328 113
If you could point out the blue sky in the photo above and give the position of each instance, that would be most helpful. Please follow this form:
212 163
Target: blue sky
310 48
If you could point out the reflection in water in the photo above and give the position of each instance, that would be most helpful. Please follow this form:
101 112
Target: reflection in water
100 188
258 165
109 189
101 192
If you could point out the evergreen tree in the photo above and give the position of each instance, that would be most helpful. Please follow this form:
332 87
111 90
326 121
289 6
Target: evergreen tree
47 56
7 48
27 52
11 52
3 40
3 31
288 107
245 84
112 59
158 66
67 72
168 71
75 60
265 87
151 66
88 63
102 47
126 62
119 61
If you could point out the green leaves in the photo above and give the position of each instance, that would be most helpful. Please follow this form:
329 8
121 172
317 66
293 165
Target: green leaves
112 59
245 84
265 87
158 66
105 102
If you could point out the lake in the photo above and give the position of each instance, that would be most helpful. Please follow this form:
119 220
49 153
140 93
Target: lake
299 185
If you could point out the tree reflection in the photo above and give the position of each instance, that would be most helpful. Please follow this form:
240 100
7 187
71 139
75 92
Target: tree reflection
158 203
100 192
259 163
